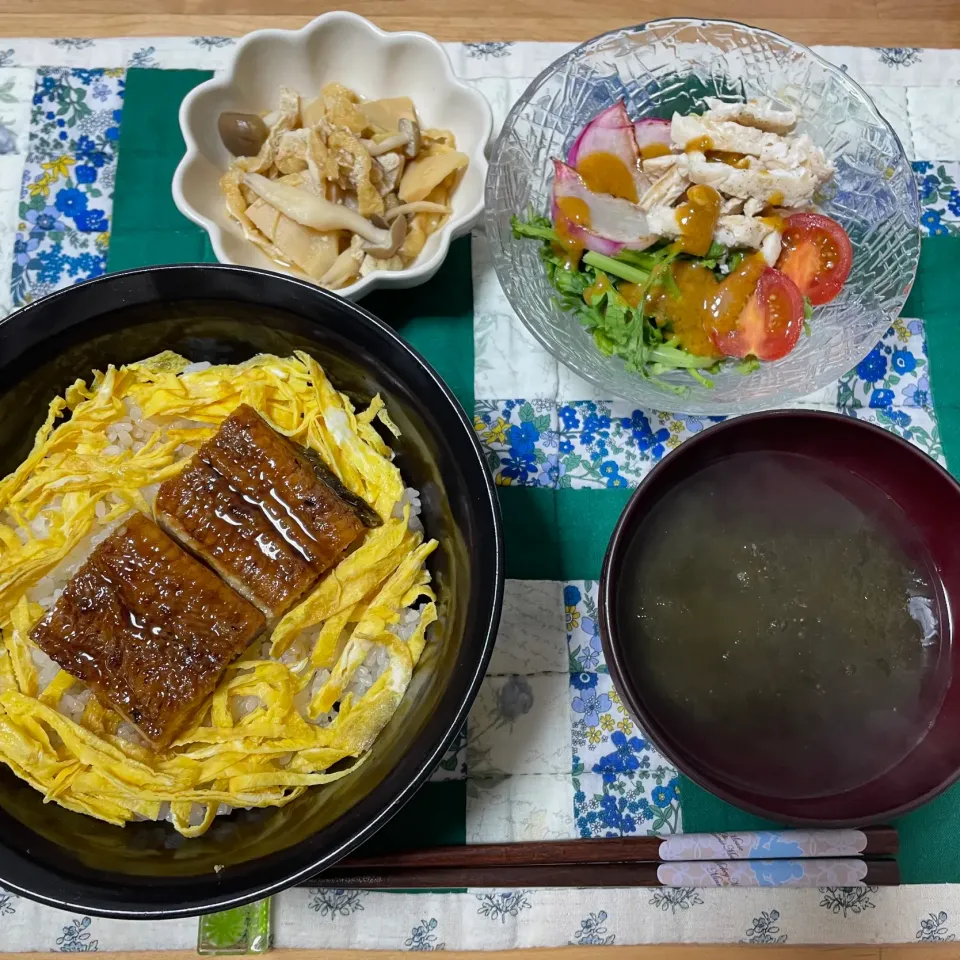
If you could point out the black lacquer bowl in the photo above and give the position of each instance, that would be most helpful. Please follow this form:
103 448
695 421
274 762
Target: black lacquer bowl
228 314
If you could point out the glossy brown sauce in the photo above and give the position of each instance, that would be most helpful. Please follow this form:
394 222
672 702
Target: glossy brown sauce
148 628
256 510
235 536
267 470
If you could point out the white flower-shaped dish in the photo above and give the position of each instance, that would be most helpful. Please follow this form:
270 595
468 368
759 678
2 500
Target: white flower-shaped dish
343 48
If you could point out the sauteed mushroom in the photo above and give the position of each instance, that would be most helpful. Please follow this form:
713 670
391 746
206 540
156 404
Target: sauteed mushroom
335 188
243 134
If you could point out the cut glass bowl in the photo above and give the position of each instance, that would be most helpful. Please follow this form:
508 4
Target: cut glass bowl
671 65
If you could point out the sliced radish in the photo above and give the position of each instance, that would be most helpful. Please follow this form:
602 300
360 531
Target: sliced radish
609 133
650 131
613 224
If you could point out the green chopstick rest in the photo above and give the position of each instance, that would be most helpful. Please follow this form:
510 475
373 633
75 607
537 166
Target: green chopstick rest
242 930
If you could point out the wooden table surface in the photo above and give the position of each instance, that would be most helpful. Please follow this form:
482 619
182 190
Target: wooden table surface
873 23
869 23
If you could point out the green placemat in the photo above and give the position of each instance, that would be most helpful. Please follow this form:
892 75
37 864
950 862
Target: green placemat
550 534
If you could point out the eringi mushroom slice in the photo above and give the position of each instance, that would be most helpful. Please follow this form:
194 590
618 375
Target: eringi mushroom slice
421 206
314 211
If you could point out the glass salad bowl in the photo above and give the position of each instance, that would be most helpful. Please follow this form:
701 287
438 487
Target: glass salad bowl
671 65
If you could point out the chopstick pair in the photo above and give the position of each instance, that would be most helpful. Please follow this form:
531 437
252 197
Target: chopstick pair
802 858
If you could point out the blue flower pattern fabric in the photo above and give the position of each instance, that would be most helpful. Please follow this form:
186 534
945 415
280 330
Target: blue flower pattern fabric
622 786
77 937
66 200
423 937
597 444
939 196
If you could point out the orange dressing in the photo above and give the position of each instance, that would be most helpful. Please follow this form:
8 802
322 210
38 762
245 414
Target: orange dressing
697 217
776 198
632 293
703 144
685 314
738 160
732 295
774 220
652 150
599 287
606 173
703 303
573 212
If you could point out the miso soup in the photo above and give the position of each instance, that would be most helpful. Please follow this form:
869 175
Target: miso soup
782 621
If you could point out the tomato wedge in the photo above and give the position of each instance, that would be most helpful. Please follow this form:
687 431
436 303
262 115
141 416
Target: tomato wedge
816 256
769 325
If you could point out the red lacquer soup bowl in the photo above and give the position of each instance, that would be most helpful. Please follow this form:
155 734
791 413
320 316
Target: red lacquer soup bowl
842 706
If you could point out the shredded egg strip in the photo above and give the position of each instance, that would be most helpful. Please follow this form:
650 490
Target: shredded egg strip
79 481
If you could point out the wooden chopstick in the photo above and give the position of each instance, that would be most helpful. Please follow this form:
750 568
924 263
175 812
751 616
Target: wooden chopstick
881 841
879 873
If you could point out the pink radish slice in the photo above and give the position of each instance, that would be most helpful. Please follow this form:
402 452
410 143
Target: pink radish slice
615 224
589 240
651 131
610 131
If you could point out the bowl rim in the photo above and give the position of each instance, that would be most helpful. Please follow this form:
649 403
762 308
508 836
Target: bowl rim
128 907
742 406
612 645
418 272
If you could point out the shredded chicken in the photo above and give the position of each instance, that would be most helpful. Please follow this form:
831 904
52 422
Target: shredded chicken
657 166
753 113
665 190
790 187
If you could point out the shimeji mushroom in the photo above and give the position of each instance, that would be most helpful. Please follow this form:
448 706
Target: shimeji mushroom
421 206
408 139
314 211
243 134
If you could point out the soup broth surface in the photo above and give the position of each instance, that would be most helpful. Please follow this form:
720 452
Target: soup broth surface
783 622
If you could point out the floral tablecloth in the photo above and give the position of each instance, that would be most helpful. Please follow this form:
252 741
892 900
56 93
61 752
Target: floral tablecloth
548 751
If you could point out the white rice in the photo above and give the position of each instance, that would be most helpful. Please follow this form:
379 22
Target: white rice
367 673
411 496
406 625
45 667
196 367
